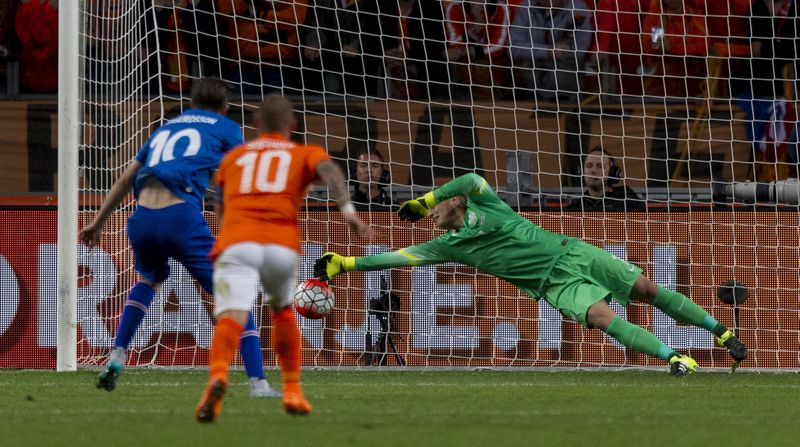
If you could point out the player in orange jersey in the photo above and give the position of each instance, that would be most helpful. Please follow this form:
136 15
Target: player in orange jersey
264 182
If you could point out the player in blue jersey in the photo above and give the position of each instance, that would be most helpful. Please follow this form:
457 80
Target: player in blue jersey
169 177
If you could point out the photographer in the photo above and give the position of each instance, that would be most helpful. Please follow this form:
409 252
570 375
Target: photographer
370 179
602 178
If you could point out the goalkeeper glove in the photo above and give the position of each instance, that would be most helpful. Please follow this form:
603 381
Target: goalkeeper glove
416 209
332 264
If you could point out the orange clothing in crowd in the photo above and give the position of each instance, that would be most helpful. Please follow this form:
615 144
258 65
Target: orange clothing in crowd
679 54
272 34
684 30
36 24
616 22
729 27
490 33
264 182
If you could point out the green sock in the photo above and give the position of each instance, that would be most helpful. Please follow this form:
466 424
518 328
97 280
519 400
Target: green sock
638 339
684 310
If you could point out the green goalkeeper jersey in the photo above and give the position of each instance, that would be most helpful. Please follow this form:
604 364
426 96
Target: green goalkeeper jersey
493 238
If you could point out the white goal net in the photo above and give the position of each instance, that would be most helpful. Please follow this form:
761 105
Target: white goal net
688 101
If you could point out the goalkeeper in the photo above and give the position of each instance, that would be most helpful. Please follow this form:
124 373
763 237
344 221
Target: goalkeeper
576 278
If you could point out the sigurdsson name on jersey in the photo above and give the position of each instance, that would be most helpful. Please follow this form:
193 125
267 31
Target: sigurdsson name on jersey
189 119
270 144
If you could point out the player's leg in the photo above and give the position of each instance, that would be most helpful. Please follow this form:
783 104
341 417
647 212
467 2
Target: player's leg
139 299
191 248
235 286
250 348
601 316
151 264
278 275
573 290
684 310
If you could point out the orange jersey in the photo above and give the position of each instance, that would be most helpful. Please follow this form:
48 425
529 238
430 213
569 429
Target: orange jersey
264 182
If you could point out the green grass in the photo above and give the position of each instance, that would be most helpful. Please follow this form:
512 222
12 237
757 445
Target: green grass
437 408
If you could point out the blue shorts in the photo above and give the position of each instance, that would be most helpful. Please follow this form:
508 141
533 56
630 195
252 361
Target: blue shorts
179 232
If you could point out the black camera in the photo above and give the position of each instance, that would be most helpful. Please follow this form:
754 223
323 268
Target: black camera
386 303
384 309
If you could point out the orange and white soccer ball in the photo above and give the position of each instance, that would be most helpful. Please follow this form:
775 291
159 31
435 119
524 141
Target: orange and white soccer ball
313 299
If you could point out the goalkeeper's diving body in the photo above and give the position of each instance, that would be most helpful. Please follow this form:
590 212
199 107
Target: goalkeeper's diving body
575 277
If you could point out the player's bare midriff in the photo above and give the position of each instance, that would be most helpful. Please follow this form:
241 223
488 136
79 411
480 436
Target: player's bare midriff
155 195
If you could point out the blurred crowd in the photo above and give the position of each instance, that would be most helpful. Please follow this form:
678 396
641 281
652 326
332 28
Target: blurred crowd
564 51
410 49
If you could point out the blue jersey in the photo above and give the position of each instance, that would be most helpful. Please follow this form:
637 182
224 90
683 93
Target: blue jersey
184 153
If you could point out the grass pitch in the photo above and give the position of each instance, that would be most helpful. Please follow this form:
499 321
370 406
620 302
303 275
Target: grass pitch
437 408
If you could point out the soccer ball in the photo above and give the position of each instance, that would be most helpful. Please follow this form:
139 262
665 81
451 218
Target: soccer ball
313 299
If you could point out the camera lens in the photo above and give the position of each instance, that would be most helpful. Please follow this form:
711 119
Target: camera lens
785 192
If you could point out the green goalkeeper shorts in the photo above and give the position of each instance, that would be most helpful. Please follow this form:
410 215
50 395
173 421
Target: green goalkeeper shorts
585 275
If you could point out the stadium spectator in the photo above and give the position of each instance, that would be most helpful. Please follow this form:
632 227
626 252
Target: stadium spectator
105 57
765 93
36 24
576 278
370 180
773 34
259 241
477 40
262 41
331 49
169 184
403 46
617 47
187 45
675 37
549 40
173 37
6 26
728 27
6 39
602 178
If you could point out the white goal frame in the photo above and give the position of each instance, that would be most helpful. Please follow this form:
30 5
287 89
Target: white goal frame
527 148
69 128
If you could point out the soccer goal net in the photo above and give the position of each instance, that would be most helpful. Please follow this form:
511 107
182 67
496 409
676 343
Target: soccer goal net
635 130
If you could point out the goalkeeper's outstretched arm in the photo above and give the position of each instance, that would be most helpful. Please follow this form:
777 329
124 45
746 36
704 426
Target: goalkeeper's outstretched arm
332 264
472 185
466 185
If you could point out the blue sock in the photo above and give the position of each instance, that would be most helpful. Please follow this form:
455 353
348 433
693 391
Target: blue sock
250 347
139 299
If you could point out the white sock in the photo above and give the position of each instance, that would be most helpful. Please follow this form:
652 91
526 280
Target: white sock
118 355
258 382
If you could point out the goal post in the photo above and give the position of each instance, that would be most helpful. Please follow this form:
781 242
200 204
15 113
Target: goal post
433 108
69 128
